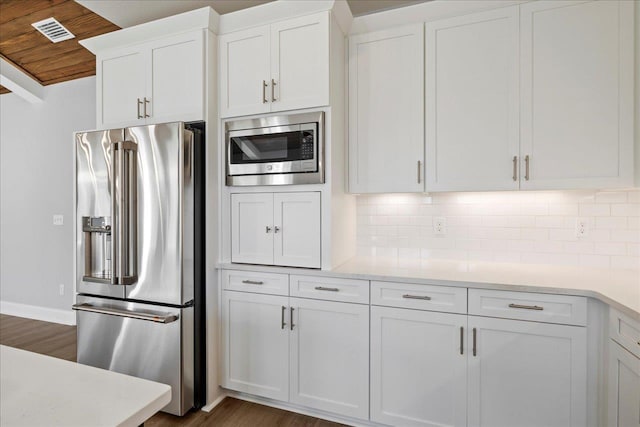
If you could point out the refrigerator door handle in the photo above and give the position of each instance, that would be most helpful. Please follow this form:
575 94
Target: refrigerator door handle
124 213
151 317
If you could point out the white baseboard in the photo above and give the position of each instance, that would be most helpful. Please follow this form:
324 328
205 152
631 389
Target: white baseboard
65 317
210 406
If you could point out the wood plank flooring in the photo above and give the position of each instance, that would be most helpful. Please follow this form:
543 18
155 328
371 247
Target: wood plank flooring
59 341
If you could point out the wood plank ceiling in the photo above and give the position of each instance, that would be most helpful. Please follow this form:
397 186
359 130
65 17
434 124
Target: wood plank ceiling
23 46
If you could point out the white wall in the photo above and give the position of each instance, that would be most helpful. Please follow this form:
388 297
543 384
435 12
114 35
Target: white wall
528 226
36 182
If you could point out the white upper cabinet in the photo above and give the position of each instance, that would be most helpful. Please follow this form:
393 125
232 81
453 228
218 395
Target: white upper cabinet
121 87
153 82
252 228
471 100
244 72
283 66
576 94
386 120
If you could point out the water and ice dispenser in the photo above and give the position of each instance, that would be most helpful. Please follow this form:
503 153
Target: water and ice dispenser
97 248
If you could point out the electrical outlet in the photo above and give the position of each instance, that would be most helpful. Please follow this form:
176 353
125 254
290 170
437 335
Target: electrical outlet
439 226
61 289
58 219
582 227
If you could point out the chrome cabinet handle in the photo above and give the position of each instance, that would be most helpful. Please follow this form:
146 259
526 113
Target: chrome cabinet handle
253 282
158 318
282 322
515 168
526 167
474 342
273 90
526 307
267 229
419 171
139 104
264 92
407 296
146 101
291 318
323 288
461 339
276 229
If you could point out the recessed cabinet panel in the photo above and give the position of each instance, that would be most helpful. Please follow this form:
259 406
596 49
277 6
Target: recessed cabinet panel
576 94
472 101
252 228
526 373
386 135
297 229
177 91
300 62
255 355
121 82
244 72
418 367
329 356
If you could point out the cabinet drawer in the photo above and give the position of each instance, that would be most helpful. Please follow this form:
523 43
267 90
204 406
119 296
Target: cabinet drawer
625 331
563 309
262 283
331 289
421 297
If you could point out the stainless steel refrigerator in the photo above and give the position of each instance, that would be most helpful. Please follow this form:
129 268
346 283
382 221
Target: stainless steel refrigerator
140 255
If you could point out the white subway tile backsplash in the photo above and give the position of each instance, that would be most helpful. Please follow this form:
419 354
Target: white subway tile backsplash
529 227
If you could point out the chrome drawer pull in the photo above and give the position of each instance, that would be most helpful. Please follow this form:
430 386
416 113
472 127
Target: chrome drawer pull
282 322
526 307
407 296
253 282
322 288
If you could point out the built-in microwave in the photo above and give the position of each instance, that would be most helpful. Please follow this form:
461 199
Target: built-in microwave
276 150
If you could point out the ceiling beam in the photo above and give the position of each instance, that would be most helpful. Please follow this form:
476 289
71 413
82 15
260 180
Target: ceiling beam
20 82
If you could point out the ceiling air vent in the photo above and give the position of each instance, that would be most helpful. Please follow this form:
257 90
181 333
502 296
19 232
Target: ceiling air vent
53 30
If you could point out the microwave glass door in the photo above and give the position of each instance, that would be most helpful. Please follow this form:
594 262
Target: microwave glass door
283 145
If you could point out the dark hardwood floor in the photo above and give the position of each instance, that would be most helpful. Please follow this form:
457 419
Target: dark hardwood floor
59 341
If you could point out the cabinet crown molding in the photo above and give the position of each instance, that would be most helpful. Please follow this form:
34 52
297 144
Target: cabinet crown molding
282 10
205 18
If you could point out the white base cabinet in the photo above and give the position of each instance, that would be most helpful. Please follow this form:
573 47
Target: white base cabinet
309 352
526 373
329 356
418 367
255 345
624 387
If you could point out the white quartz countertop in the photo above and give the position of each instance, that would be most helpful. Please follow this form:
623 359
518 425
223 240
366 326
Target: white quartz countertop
38 390
618 288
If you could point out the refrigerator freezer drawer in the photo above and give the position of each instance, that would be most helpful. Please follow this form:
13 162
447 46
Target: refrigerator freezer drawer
142 340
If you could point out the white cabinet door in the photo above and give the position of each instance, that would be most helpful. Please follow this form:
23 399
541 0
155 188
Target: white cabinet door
244 72
176 84
472 102
386 120
624 388
296 229
300 63
418 367
255 344
121 80
526 374
576 94
330 356
252 228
